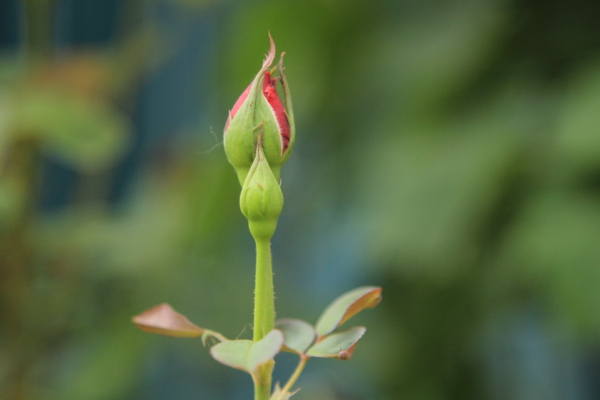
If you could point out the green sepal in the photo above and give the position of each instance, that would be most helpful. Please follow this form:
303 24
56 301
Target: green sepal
261 200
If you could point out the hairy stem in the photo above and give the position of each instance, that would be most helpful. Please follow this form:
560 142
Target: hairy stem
264 313
262 381
264 296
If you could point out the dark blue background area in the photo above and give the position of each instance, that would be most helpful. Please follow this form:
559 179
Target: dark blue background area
10 34
167 100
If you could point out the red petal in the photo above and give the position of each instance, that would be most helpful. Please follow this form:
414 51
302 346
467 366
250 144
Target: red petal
237 105
270 92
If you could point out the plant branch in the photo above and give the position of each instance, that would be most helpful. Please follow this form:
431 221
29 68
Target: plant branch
293 378
264 312
264 296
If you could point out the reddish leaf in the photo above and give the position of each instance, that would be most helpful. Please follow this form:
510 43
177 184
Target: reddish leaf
163 320
346 306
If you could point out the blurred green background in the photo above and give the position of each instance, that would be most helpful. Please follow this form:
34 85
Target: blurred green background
448 151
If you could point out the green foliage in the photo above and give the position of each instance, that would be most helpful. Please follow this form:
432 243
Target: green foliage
339 345
298 334
246 354
291 334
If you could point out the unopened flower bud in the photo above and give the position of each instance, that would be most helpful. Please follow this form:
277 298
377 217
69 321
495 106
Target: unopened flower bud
261 200
260 109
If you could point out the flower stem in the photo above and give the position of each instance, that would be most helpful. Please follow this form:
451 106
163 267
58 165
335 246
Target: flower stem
262 381
264 313
264 297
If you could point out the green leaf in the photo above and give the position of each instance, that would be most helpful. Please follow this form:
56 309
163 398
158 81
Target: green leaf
247 355
338 345
346 306
264 350
232 353
298 335
163 320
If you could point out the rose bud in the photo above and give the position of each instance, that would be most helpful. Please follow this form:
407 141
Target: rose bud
260 109
261 200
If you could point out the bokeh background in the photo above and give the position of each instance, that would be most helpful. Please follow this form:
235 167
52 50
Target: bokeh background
448 151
